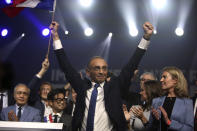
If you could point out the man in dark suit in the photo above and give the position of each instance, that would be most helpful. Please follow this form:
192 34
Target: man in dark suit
39 91
21 111
57 101
99 103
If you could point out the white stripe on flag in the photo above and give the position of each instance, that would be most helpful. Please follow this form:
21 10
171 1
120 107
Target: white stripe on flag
29 3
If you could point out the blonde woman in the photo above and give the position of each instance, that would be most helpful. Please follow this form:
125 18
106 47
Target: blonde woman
174 111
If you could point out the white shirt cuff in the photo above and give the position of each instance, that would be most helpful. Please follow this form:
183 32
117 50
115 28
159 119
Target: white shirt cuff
38 76
144 44
57 45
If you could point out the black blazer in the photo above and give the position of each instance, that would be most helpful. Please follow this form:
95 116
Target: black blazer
67 120
11 100
114 90
69 108
34 98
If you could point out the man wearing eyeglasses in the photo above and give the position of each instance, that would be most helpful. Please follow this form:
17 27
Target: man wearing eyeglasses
57 101
21 111
99 102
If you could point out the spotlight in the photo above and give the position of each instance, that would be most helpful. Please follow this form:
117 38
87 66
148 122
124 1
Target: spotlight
110 34
159 4
8 1
23 35
66 32
45 32
155 32
133 32
88 31
4 32
179 31
86 3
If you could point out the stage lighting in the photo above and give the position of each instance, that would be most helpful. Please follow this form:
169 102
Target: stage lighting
88 31
110 34
179 31
86 3
133 32
45 32
23 35
159 4
4 32
66 32
155 32
8 1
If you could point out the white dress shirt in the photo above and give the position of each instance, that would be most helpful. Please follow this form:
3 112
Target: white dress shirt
22 109
53 117
5 99
101 118
48 110
195 106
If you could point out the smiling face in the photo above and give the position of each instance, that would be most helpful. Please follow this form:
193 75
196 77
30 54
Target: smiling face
58 103
44 91
97 70
21 94
167 81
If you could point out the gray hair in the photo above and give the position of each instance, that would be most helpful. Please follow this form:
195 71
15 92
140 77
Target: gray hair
148 73
21 84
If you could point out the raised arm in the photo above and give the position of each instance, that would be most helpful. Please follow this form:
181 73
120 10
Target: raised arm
34 84
71 74
128 71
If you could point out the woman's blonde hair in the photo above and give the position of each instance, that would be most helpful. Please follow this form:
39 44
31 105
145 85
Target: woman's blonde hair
181 88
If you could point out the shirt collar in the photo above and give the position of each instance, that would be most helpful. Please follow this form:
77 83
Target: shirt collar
22 107
101 84
4 93
58 114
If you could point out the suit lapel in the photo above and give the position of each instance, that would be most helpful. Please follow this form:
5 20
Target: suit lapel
89 84
24 114
177 104
14 109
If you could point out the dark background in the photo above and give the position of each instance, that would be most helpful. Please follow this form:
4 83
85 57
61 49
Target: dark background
166 48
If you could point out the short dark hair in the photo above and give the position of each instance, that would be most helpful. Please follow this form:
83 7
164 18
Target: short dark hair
54 92
92 58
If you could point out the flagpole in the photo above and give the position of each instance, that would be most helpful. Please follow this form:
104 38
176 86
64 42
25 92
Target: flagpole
53 16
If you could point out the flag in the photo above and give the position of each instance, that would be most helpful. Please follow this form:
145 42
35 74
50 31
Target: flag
16 6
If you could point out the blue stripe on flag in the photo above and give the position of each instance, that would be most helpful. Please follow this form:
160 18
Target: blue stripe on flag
46 4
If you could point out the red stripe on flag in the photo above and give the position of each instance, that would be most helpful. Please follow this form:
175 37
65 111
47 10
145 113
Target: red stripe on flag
16 2
12 11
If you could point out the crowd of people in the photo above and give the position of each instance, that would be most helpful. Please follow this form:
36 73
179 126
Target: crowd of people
95 102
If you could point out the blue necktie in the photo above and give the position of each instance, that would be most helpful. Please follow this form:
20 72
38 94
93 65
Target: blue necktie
91 111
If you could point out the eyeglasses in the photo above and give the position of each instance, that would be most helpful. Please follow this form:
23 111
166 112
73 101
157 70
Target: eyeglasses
98 68
24 93
59 100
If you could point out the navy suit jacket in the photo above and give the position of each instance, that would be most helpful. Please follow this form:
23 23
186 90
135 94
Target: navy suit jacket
114 90
34 98
29 114
182 117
